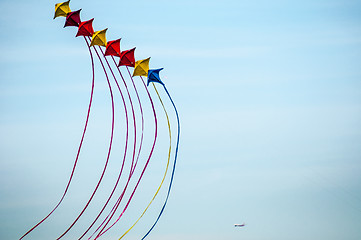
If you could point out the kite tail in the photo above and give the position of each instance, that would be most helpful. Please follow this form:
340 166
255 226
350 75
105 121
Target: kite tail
133 165
166 170
175 161
108 155
79 148
115 207
112 211
131 103
141 113
150 155
122 167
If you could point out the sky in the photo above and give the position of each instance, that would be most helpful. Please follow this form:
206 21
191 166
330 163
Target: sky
269 98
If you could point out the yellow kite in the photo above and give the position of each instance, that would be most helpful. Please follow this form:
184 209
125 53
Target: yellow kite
141 67
62 9
99 38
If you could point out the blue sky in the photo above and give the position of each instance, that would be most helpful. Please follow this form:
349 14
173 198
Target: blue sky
269 95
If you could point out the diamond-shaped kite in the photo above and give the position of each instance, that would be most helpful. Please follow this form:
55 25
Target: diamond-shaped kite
86 28
141 67
153 76
73 19
127 58
113 48
62 9
99 38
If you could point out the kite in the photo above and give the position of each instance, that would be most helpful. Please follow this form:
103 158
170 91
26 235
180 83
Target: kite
141 67
126 58
113 48
85 28
73 19
99 38
62 9
136 156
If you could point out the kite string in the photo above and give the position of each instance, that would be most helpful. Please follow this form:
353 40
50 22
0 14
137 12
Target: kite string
79 148
150 155
166 170
109 150
174 164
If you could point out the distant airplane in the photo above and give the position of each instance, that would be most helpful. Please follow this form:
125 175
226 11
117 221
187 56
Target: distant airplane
240 225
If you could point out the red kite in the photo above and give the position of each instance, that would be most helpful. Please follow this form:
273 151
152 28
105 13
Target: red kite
73 19
86 28
113 48
127 58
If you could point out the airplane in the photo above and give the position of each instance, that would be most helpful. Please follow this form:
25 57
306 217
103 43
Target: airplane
240 225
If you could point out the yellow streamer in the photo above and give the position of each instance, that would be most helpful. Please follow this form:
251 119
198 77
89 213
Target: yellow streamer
166 170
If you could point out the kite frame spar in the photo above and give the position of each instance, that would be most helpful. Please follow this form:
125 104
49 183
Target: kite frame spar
141 68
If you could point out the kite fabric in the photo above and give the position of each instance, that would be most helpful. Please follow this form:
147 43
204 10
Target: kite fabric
141 67
86 28
73 19
62 9
139 136
153 76
99 38
113 48
126 58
